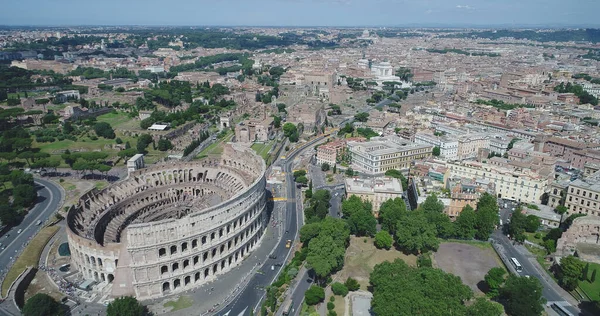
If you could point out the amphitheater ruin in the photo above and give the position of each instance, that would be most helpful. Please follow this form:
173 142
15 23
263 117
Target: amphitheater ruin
171 227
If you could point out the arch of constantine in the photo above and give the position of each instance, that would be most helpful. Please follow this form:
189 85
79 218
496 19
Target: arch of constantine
171 227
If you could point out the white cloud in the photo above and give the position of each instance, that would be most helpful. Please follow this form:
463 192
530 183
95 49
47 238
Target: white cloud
465 7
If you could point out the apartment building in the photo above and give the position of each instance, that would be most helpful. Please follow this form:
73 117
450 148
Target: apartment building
328 152
448 146
374 190
381 154
469 145
583 196
511 182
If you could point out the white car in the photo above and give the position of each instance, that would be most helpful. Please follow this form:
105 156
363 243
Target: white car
19 231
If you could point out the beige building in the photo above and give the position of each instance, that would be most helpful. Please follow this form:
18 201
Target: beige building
469 145
374 190
511 182
328 152
583 196
381 154
249 131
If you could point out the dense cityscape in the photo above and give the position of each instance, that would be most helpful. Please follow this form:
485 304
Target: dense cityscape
166 170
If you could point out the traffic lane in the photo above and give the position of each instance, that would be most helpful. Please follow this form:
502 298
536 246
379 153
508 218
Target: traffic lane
47 202
528 269
298 295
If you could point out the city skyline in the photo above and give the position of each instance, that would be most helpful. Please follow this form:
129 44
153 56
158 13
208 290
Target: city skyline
305 13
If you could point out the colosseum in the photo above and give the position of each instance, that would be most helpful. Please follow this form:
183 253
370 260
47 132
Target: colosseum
171 227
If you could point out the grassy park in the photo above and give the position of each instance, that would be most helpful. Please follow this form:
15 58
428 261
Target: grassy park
592 289
30 256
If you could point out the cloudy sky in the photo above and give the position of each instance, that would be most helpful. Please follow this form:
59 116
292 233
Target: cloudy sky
302 12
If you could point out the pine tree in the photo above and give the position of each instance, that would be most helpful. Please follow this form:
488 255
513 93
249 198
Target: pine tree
584 273
593 276
334 169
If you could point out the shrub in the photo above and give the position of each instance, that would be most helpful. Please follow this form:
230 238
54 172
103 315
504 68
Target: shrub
330 305
352 284
339 289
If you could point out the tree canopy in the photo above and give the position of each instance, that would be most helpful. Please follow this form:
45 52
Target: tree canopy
390 212
125 306
522 296
415 233
42 305
401 290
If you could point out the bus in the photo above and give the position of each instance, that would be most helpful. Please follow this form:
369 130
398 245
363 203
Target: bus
561 310
517 265
287 307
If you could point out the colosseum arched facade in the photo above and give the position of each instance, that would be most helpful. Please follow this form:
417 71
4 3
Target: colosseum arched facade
171 227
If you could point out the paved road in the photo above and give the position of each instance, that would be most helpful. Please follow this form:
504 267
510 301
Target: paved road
251 297
551 290
49 197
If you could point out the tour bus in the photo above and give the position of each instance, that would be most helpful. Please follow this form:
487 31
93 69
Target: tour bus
561 310
517 265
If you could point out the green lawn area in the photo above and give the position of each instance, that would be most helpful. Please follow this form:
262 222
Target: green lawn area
592 289
216 148
181 303
478 244
263 149
116 120
531 237
30 257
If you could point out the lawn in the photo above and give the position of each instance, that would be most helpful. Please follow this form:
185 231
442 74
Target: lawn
361 258
216 148
118 120
30 256
263 149
592 290
184 301
532 238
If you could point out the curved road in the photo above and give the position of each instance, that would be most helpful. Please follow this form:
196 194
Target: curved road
251 297
48 201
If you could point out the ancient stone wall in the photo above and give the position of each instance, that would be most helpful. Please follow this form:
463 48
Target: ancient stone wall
170 227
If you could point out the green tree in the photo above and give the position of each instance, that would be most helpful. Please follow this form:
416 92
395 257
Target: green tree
361 117
42 305
309 231
398 175
494 280
164 144
550 245
314 295
289 129
104 129
570 271
522 296
532 224
125 306
486 216
390 212
415 233
353 285
584 272
464 226
436 151
593 278
363 223
424 260
383 240
353 205
339 289
517 226
325 167
324 255
484 307
334 168
561 209
401 290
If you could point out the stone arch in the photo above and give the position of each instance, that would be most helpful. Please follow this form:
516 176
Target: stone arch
110 278
166 287
176 283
